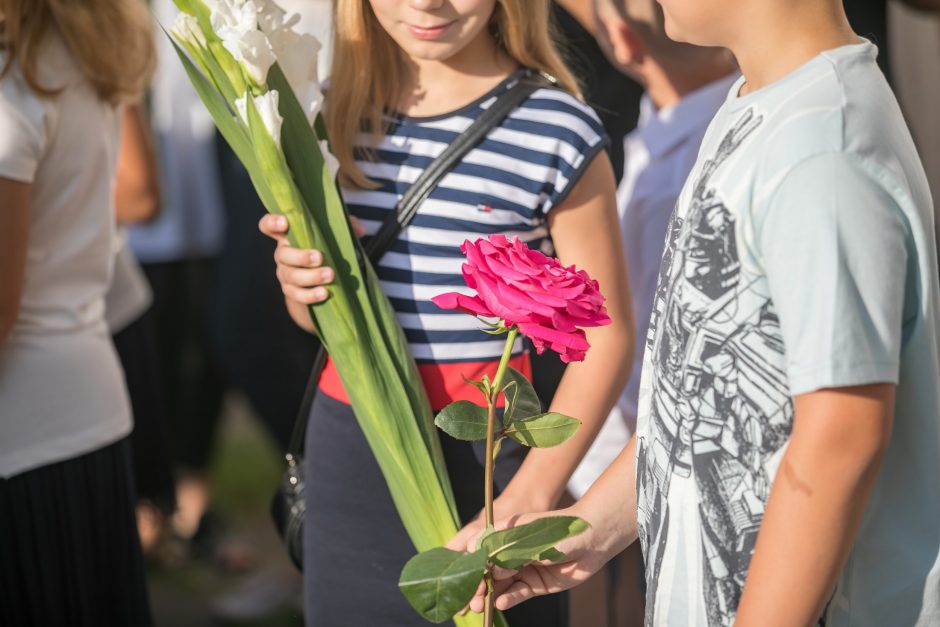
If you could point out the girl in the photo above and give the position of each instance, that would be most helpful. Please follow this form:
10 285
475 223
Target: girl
408 77
68 535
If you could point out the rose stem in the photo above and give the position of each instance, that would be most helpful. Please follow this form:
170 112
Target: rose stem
491 461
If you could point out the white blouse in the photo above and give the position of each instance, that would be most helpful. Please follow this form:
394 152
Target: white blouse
62 391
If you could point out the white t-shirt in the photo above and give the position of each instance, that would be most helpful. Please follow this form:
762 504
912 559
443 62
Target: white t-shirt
658 157
801 256
62 392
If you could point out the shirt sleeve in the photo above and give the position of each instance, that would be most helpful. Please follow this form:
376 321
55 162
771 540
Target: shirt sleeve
834 245
23 133
578 137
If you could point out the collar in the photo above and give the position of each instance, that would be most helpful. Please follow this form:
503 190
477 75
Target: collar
662 130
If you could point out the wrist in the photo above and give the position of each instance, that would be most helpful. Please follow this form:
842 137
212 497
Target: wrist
523 501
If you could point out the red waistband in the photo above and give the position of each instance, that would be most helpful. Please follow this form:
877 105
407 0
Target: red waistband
444 382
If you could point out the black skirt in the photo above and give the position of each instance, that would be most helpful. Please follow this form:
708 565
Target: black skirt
354 543
136 346
69 551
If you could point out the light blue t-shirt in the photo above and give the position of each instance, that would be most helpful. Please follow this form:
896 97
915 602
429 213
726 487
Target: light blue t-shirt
801 256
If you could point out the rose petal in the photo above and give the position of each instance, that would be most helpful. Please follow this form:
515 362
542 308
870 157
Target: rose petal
461 302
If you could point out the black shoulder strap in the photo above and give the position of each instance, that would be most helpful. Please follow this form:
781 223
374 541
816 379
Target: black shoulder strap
411 201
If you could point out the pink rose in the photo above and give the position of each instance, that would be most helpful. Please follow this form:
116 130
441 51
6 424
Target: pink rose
543 299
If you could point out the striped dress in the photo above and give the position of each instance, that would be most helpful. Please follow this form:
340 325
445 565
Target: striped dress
507 184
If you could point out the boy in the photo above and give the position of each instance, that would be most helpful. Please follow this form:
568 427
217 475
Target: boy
786 460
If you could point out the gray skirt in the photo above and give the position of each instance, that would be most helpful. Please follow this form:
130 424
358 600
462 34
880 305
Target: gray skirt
354 543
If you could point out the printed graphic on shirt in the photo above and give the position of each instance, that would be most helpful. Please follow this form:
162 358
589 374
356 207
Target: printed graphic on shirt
718 404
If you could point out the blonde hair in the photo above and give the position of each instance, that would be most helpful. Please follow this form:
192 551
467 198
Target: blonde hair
368 68
111 40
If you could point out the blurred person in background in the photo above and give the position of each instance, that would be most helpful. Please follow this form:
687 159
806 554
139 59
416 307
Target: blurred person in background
178 251
127 312
684 87
68 535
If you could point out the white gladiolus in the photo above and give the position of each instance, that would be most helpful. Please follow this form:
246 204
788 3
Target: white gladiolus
236 24
332 163
253 50
186 28
259 33
271 17
297 57
266 105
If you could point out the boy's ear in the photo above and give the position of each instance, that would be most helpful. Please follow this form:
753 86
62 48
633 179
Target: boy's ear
626 46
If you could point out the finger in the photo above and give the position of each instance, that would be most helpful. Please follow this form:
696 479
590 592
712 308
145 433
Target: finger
517 593
298 257
358 229
304 277
478 600
273 226
305 296
501 574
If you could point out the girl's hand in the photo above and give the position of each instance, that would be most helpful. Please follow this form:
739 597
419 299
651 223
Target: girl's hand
300 271
505 506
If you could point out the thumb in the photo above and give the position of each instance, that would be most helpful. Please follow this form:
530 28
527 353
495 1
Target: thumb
466 538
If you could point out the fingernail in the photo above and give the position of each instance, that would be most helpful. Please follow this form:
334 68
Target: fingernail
327 274
281 222
320 293
314 258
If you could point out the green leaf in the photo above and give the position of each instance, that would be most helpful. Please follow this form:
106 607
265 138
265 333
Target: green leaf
543 431
440 582
514 548
480 385
521 399
463 420
552 555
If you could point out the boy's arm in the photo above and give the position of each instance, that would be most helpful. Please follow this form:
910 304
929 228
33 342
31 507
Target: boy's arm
816 504
610 508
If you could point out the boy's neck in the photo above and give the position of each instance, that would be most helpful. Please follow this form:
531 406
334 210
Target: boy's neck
783 35
666 86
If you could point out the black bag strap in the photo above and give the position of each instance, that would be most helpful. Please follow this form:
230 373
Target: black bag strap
408 206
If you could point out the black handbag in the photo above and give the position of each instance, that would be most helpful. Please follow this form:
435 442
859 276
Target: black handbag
289 506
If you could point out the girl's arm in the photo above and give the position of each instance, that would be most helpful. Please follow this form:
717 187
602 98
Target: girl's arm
14 236
137 188
586 233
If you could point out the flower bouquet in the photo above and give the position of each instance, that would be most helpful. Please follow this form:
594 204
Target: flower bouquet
518 291
257 77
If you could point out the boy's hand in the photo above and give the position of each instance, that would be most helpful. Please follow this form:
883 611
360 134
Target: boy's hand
585 553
